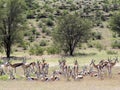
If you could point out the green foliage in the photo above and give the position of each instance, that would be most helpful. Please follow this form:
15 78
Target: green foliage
4 77
12 22
46 30
71 29
49 22
40 24
43 43
96 35
99 46
1 62
31 38
30 14
36 50
116 44
110 52
33 30
115 22
24 45
53 50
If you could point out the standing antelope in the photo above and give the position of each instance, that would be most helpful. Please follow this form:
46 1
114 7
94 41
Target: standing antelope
14 65
110 66
98 67
75 67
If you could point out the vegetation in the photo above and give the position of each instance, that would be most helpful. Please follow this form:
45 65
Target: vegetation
115 22
11 23
71 30
42 16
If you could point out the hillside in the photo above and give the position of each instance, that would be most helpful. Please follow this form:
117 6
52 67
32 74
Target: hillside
42 16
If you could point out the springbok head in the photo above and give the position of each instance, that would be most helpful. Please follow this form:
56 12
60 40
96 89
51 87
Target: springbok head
116 59
109 59
92 62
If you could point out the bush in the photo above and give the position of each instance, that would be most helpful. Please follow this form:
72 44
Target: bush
99 46
40 24
49 22
112 52
45 30
96 35
33 30
31 38
43 43
116 44
90 44
53 50
30 15
37 50
25 45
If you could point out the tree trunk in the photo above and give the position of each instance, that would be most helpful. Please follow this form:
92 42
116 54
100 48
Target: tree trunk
71 51
8 51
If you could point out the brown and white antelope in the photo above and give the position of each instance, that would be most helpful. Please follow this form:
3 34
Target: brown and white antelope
109 65
98 67
15 65
75 68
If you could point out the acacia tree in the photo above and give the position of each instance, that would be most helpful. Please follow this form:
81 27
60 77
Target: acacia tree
11 23
71 30
115 23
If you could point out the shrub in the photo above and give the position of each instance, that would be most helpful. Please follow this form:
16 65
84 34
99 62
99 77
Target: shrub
45 30
37 50
33 30
30 15
116 44
40 24
90 44
112 52
53 50
43 43
97 35
31 38
49 22
99 46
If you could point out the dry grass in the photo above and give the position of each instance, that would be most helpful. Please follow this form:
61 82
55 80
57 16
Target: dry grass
86 84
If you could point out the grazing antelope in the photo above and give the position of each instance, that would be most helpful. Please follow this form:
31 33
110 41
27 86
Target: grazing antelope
98 67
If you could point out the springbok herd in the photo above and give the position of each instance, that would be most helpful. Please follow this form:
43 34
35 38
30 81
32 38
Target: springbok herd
40 70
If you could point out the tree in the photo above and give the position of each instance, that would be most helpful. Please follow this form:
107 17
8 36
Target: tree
115 23
11 23
71 30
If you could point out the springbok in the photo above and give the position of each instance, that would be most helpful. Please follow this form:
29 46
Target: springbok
68 72
75 67
98 67
109 65
15 65
30 66
63 66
